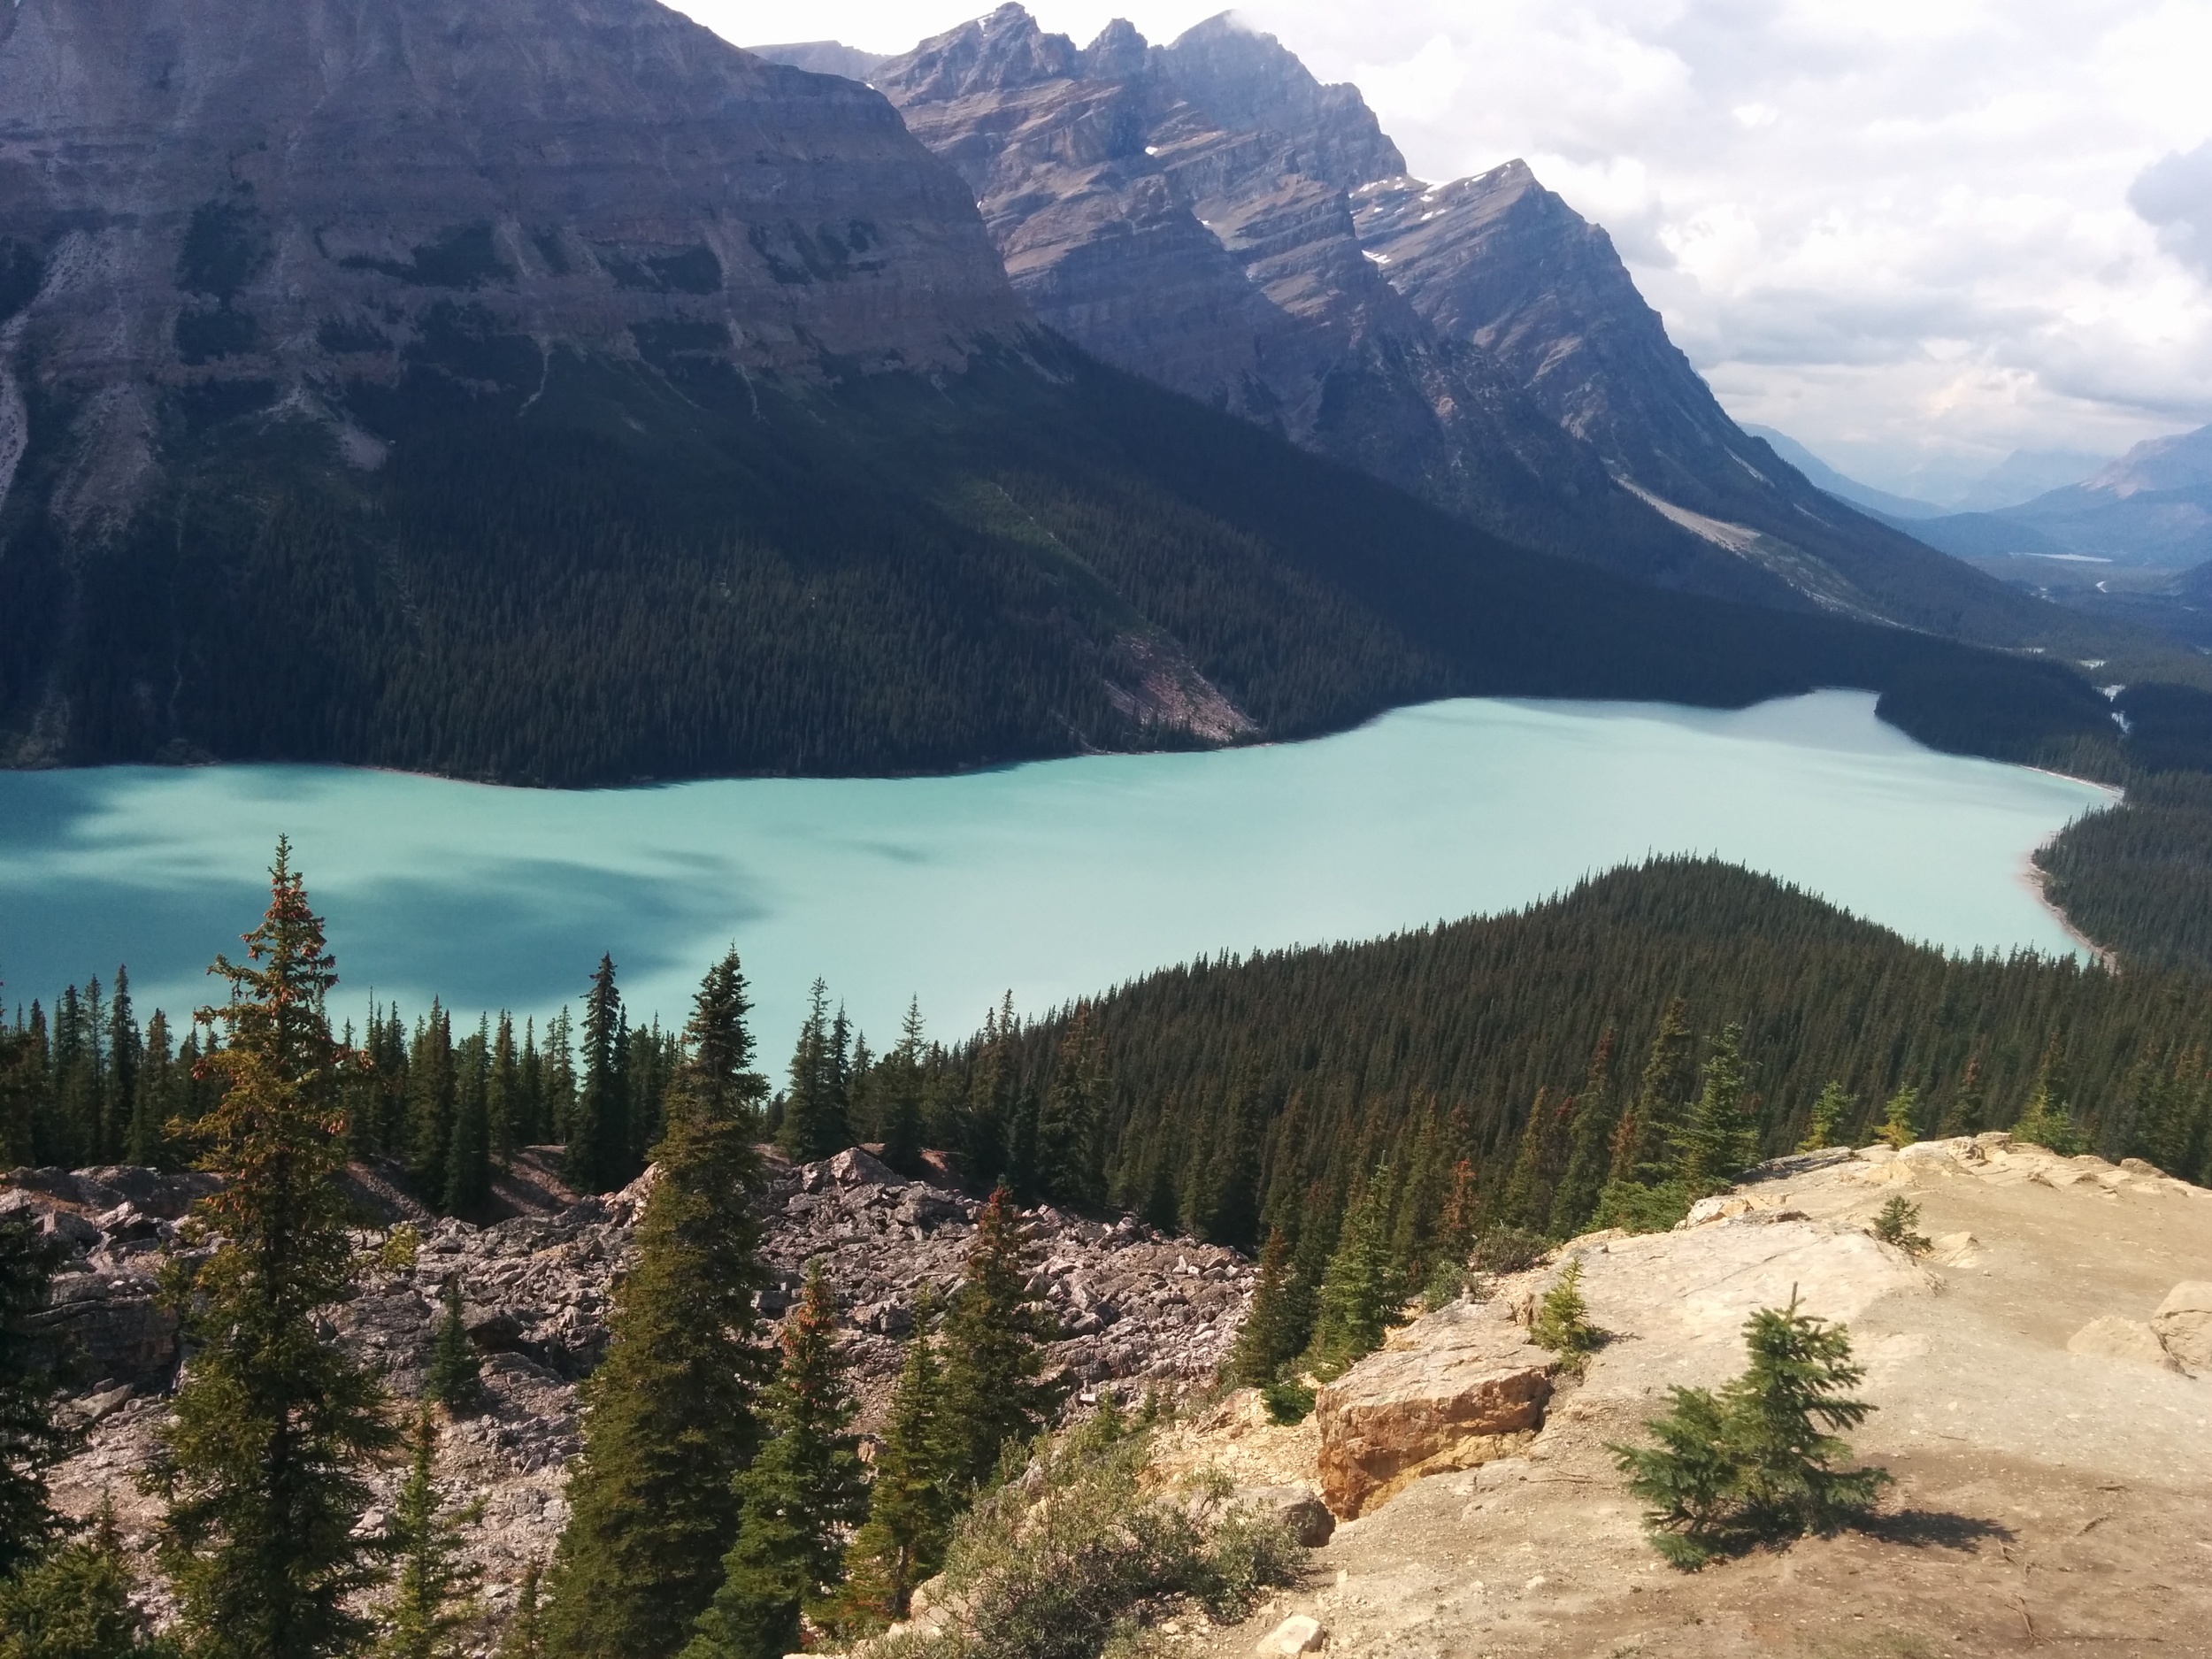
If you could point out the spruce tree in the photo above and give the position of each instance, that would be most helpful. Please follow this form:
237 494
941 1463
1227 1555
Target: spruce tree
260 1463
898 1088
1563 1321
668 1418
1757 1460
1358 1295
909 1501
1718 1140
433 1608
801 1494
1642 1143
503 1106
1266 1341
30 1443
558 1062
1589 1150
814 1111
1829 1114
1068 1151
1901 1118
993 1358
468 1168
120 1084
525 1636
598 1131
74 1601
1969 1109
455 1377
432 1094
2047 1121
154 1100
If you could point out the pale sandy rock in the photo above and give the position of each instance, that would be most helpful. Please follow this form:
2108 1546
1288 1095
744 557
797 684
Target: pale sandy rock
1468 1388
1300 1632
2183 1325
2130 1341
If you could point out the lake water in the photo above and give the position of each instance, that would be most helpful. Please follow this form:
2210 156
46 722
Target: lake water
1049 879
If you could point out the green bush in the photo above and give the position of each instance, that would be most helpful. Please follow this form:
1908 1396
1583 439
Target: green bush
1562 1322
1447 1284
1509 1250
1288 1400
1634 1207
1077 1554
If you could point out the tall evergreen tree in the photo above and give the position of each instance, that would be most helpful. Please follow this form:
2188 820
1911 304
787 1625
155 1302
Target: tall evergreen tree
911 1500
1643 1144
799 1496
154 1099
1069 1154
433 1097
432 1609
468 1165
559 1062
598 1134
30 1443
260 1463
1825 1124
993 1390
668 1418
1718 1140
119 1097
899 1096
1266 1341
74 1601
1589 1152
456 1378
1358 1294
1968 1114
503 1106
815 1122
1901 1118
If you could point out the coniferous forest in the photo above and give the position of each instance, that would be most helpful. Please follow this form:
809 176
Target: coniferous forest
661 570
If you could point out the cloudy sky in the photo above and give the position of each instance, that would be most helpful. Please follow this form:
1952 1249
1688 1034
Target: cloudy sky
1915 234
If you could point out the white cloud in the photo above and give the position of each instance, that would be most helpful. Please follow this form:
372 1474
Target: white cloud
1913 233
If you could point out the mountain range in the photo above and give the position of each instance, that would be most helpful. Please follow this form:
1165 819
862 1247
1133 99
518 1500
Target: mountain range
546 390
1207 214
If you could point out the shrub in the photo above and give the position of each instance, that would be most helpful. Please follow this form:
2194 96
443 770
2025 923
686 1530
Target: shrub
1077 1552
1895 1224
1289 1401
1634 1207
1509 1250
1447 1283
1756 1462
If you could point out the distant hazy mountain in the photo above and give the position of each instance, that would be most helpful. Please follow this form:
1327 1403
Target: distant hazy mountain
2023 475
2152 506
1207 214
1835 483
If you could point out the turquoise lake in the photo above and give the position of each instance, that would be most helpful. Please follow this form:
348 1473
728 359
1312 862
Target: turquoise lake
1049 879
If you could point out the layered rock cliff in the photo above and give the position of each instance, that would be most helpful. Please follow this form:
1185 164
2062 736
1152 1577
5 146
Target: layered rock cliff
1208 214
268 199
1186 212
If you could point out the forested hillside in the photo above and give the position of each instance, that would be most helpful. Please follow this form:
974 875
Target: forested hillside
1224 1096
1257 1091
570 571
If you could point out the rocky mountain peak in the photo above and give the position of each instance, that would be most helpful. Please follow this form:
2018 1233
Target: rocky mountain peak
1246 80
998 53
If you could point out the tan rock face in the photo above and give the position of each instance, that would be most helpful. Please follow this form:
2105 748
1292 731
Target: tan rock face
1463 1387
2127 1340
2184 1324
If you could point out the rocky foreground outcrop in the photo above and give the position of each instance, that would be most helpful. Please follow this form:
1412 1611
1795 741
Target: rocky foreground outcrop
1140 1311
2041 1401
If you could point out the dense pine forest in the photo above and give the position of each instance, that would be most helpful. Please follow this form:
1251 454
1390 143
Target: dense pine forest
572 572
1225 1096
